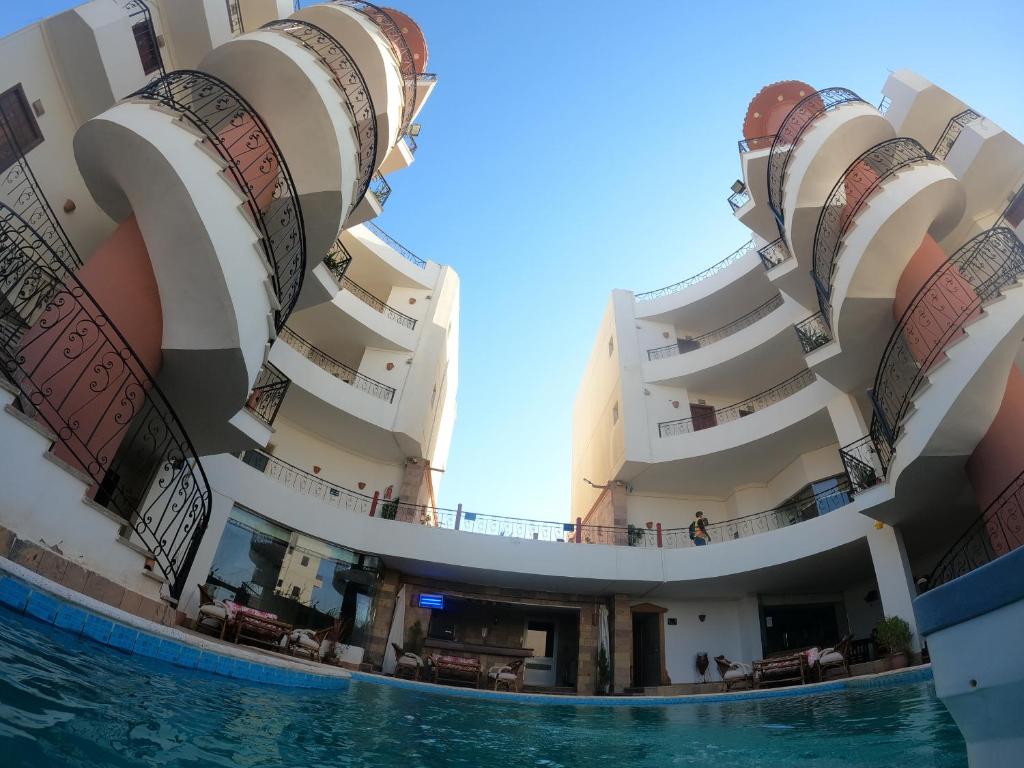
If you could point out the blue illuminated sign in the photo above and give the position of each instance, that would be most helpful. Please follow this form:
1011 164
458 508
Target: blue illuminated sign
432 601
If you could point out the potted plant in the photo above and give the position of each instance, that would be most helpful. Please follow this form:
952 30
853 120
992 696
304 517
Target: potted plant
634 535
894 633
604 670
414 644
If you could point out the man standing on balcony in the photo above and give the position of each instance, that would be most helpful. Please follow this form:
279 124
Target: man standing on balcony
699 530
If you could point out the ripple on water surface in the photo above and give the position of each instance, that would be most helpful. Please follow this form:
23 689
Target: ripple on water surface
70 702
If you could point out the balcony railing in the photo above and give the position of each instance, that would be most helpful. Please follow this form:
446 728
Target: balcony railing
78 375
235 17
774 253
338 261
754 145
307 483
997 531
336 368
884 104
799 119
738 199
952 132
395 245
370 300
813 332
380 188
952 296
858 182
410 142
403 53
349 83
689 344
866 460
268 393
141 19
254 162
714 269
738 410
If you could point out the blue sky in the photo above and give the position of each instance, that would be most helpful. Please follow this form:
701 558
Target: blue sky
574 147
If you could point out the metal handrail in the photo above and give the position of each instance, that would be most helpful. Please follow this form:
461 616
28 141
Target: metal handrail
755 144
738 199
267 393
862 178
884 104
350 83
336 368
800 117
380 188
395 245
954 294
723 332
773 254
78 374
813 332
866 460
714 269
338 260
952 132
743 408
254 161
997 531
369 299
235 17
140 8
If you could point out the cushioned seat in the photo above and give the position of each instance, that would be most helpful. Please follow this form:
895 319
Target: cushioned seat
214 611
832 657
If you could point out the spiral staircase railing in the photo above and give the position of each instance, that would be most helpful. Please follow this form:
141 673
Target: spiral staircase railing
78 375
268 393
954 294
254 162
800 117
350 83
403 53
952 132
856 184
138 12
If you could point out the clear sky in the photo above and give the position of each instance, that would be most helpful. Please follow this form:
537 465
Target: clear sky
575 146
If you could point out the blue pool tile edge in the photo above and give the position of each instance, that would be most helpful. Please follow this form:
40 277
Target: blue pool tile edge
36 597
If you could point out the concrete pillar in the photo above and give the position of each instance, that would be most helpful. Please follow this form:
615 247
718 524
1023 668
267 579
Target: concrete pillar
847 419
414 490
586 658
894 577
750 629
383 611
622 643
220 511
620 512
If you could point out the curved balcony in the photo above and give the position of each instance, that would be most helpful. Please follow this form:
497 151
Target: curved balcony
77 374
704 274
377 304
338 369
396 246
691 343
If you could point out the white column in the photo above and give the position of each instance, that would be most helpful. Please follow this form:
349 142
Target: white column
894 577
220 511
750 629
846 419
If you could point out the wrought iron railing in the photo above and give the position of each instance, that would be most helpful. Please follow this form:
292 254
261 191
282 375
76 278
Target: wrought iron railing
21 194
268 393
718 334
997 531
813 332
788 514
235 17
866 460
78 375
513 527
336 368
370 300
254 162
138 12
776 394
307 483
954 294
428 77
410 142
714 269
338 260
380 188
753 145
856 184
952 132
738 199
395 245
403 53
774 253
349 82
884 104
806 111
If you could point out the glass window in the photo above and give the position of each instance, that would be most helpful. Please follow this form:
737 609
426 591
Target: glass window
21 122
145 41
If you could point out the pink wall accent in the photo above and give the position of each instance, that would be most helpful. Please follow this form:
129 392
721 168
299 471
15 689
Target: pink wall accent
250 152
770 106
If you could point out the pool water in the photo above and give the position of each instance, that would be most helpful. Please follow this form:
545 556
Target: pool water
66 701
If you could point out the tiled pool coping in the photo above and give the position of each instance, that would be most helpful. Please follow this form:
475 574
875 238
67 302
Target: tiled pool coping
28 593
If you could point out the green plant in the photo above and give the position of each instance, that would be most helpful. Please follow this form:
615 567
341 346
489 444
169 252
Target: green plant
634 535
604 669
894 633
414 643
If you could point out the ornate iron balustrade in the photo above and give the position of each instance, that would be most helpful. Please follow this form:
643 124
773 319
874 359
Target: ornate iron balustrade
813 332
800 117
780 517
884 104
954 294
254 162
738 199
619 536
758 402
714 269
395 245
718 334
307 483
857 183
997 531
380 188
754 145
336 368
235 17
338 261
410 142
138 12
21 194
866 460
403 53
268 393
774 253
512 527
78 375
349 81
370 300
952 132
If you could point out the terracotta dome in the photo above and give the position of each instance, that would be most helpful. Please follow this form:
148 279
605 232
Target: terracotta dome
770 106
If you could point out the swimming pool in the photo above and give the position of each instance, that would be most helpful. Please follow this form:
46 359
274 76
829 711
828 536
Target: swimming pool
76 703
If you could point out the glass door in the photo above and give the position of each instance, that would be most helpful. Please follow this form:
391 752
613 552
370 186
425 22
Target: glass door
540 638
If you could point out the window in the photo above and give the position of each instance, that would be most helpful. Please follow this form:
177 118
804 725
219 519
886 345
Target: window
296 592
145 41
21 123
305 561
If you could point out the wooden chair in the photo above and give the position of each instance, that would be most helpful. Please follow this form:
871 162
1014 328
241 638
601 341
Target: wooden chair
212 611
506 675
835 658
733 673
318 645
783 669
407 664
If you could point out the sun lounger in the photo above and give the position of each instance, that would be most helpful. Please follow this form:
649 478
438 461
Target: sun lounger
733 672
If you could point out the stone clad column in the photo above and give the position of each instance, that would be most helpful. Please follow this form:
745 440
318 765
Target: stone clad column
622 643
586 664
416 488
383 611
894 577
